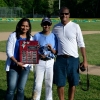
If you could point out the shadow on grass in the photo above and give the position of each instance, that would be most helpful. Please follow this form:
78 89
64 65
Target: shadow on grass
2 94
98 65
25 98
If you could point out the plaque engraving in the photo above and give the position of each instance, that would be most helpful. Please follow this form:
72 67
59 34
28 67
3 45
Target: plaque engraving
29 52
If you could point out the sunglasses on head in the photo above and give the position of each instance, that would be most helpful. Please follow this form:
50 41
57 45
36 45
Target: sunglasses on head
64 13
46 23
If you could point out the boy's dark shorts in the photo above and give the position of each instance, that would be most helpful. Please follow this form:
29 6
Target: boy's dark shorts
66 69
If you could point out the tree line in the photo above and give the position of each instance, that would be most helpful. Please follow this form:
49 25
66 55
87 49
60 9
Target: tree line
78 8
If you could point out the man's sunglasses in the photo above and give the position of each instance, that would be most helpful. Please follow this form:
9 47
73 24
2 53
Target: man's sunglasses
64 13
45 24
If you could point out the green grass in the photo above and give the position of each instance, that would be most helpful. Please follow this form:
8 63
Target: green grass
92 43
92 94
93 48
89 26
10 26
85 26
7 26
3 46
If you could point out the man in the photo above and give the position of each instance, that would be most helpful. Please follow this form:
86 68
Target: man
47 50
66 67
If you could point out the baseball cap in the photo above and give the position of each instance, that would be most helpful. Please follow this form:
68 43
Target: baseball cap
46 19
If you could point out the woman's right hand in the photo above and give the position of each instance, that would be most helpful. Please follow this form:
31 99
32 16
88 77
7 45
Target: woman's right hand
20 64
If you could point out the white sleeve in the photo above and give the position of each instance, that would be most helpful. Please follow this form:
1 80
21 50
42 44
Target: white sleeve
10 46
80 40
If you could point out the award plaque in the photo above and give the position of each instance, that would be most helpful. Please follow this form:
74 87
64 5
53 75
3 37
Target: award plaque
29 52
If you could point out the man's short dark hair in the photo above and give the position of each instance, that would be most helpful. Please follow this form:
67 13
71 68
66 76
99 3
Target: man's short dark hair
64 8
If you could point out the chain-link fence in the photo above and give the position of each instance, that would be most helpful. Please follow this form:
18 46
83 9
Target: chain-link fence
11 12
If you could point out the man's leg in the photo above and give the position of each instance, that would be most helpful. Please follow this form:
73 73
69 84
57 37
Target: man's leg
73 76
71 92
60 91
60 75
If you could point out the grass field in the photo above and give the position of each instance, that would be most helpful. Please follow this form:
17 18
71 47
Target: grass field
85 26
92 94
93 55
92 43
10 26
3 45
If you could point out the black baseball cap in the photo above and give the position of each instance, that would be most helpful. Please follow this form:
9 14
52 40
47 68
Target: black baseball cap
46 19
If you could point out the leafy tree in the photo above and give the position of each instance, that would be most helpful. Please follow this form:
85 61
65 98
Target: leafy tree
43 7
56 7
87 8
78 8
27 6
2 3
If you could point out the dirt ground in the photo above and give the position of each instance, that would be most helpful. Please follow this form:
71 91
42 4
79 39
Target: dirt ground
4 35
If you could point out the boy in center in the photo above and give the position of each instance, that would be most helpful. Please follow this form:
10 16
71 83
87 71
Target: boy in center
44 70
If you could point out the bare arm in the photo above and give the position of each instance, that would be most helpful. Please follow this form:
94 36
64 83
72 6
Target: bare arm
18 63
83 52
51 49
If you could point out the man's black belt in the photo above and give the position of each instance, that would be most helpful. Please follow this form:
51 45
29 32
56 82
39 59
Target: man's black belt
64 56
45 59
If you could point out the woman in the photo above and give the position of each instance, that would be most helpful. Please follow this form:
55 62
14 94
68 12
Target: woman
17 72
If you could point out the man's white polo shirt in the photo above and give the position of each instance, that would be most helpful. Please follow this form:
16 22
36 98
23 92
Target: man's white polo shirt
69 38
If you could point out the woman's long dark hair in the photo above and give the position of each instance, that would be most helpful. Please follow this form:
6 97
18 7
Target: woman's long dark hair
18 28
